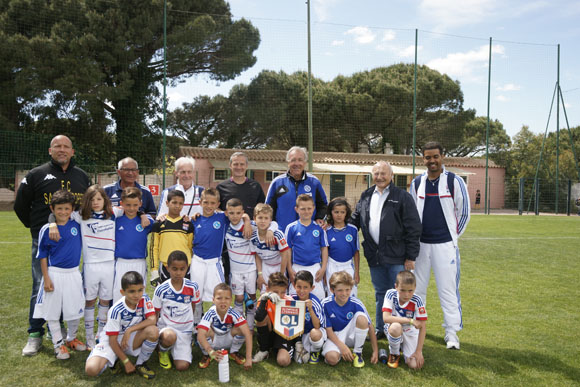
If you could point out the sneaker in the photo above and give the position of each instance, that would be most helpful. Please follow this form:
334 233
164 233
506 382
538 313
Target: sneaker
91 343
62 353
145 371
76 345
260 356
314 358
298 351
380 334
117 368
393 361
33 345
358 361
452 340
235 356
164 360
204 362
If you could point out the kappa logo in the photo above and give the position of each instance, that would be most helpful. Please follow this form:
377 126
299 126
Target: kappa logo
50 176
74 231
316 233
348 238
307 188
23 181
217 225
139 228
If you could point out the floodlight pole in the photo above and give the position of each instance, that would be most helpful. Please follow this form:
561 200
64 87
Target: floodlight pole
164 86
310 140
558 133
415 101
486 207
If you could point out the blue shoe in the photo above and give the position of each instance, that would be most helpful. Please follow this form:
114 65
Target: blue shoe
314 358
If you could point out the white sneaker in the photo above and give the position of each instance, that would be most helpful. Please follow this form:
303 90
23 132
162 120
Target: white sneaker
260 356
32 346
452 340
298 352
61 353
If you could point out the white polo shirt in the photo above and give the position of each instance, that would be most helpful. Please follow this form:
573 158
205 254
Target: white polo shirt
377 202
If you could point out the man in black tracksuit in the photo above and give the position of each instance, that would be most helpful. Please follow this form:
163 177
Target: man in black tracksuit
32 206
391 228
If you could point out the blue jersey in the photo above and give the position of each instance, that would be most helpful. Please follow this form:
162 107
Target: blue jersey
212 320
114 192
342 242
305 242
435 228
209 235
66 253
338 317
131 237
317 310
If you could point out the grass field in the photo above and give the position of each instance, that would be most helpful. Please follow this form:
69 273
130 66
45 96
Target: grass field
520 298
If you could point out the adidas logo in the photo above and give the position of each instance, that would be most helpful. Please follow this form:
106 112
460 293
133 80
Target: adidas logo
198 226
298 234
332 315
49 177
333 240
121 228
114 196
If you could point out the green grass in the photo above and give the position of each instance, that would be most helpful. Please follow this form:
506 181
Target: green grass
520 298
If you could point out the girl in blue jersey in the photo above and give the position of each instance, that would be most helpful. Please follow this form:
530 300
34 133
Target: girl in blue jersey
343 243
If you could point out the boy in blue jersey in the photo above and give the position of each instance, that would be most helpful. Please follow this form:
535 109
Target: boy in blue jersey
130 330
130 239
210 230
308 245
61 289
347 324
308 349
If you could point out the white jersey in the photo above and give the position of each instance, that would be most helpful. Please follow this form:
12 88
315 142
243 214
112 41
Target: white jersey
121 317
414 308
98 236
239 249
174 306
212 320
269 255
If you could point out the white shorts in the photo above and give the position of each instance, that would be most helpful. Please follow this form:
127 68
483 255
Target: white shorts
335 266
123 266
104 350
318 290
222 341
98 280
408 340
346 336
208 273
307 343
181 350
241 282
267 269
66 298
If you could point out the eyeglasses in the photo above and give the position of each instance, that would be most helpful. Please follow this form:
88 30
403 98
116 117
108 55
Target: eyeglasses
129 170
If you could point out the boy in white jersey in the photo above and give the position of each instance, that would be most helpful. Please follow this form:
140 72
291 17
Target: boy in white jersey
347 324
61 289
130 330
269 259
174 302
224 328
405 319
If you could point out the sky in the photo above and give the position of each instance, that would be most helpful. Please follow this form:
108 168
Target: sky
453 38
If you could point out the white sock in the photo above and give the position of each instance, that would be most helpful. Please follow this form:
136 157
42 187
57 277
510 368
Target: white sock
197 313
73 327
237 343
90 322
317 345
163 349
55 332
394 344
360 336
102 317
239 307
147 349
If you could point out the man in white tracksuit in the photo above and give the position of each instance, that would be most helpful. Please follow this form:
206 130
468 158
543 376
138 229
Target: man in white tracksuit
443 205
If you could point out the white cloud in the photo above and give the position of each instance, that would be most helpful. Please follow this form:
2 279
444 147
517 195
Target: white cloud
362 35
389 35
452 13
464 64
176 97
321 8
409 52
337 43
508 87
502 98
567 105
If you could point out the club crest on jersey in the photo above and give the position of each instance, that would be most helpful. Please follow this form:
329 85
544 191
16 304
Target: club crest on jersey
74 231
187 299
307 188
349 315
217 225
307 316
316 233
185 226
348 238
139 228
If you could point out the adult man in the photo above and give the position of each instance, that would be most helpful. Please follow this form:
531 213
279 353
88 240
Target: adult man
128 171
239 186
443 204
391 230
32 206
285 188
184 167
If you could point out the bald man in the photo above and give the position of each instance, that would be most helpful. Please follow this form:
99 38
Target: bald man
32 206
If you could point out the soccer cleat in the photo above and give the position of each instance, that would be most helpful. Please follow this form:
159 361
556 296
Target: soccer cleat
145 371
260 356
62 353
314 358
164 360
452 340
117 368
393 361
33 345
76 345
298 351
235 356
358 361
204 362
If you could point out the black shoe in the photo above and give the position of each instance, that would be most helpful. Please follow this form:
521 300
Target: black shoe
380 334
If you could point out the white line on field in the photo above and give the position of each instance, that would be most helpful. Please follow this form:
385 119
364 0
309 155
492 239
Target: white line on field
15 243
515 238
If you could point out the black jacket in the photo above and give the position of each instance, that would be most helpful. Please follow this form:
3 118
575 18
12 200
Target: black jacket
32 205
400 229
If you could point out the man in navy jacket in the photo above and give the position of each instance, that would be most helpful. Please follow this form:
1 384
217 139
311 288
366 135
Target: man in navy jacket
391 229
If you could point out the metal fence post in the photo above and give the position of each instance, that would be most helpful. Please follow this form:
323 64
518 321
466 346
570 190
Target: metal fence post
521 196
569 198
537 198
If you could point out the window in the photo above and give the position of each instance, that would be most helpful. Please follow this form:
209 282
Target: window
401 181
220 174
271 175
